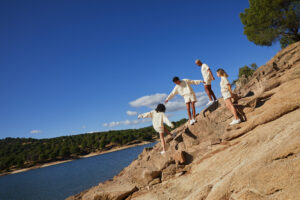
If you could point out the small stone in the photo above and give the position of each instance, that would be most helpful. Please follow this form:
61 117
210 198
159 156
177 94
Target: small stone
215 141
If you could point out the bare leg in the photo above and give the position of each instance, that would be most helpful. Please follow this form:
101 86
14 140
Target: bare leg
188 107
206 87
162 139
212 93
194 109
231 107
166 131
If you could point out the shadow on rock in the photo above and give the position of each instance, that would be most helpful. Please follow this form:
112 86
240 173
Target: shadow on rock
211 108
240 112
188 158
249 94
190 134
261 101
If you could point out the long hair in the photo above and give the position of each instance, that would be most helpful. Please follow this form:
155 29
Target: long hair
222 72
160 108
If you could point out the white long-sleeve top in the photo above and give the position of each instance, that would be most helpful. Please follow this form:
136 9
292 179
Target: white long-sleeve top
184 88
158 120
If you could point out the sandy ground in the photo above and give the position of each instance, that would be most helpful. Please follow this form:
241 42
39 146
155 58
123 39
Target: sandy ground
85 156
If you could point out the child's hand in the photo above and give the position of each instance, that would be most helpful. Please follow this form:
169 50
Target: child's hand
203 82
139 116
166 101
172 126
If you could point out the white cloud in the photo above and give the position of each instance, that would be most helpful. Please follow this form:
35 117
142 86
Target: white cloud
126 122
175 104
35 131
131 113
149 101
178 103
202 99
93 131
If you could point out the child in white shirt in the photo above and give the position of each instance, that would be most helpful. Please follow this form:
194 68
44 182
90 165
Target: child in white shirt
158 119
208 77
227 94
183 88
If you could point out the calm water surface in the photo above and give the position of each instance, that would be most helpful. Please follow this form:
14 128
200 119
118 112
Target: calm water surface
61 181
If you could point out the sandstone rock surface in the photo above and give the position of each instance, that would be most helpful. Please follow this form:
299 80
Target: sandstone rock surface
257 159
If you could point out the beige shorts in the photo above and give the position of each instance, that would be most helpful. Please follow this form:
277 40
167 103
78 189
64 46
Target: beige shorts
226 95
190 98
159 129
207 82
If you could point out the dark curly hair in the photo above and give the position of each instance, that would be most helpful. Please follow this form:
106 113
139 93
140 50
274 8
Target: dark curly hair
160 108
175 79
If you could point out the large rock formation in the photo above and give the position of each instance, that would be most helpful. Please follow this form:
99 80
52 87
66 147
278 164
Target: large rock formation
257 159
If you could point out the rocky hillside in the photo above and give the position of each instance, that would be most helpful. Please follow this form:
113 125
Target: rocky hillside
257 159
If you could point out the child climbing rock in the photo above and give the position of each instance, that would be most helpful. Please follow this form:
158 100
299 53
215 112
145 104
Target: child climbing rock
227 94
208 77
183 88
158 119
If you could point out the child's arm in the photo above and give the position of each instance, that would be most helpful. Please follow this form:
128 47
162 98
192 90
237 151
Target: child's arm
167 121
145 115
194 82
172 94
211 74
229 86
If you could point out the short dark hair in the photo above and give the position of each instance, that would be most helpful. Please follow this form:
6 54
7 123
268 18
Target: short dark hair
175 79
160 108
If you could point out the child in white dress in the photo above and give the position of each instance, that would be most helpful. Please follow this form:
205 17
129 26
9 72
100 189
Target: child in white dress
227 94
158 119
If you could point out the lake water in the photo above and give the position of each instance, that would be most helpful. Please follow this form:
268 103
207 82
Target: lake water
61 181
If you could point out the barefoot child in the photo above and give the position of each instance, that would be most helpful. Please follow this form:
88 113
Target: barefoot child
208 77
227 94
183 88
158 119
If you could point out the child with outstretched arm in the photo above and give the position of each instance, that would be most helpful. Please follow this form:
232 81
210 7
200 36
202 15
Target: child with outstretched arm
183 88
158 119
227 94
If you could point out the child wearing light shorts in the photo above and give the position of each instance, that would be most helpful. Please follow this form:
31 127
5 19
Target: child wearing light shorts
227 94
158 119
183 88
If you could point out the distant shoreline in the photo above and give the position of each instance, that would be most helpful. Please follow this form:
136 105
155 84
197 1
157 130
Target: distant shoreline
69 160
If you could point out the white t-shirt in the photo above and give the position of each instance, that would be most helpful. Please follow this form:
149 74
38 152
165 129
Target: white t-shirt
184 88
224 84
158 120
205 72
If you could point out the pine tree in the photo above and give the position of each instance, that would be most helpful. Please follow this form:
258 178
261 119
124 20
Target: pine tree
267 21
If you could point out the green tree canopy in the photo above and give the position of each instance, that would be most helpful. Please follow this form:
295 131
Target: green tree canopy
254 66
267 21
245 71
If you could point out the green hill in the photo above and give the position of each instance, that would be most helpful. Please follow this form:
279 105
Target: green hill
16 153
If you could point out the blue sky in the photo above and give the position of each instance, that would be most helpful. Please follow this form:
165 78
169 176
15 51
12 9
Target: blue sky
70 67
